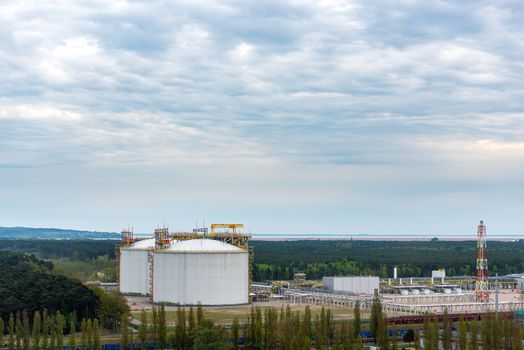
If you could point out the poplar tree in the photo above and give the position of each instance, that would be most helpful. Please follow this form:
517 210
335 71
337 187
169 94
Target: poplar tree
96 334
83 339
19 334
11 331
446 332
485 333
517 337
306 322
154 324
72 333
357 322
124 332
474 340
200 315
496 333
258 328
435 334
26 331
463 334
45 329
162 327
52 331
377 317
235 333
427 332
37 330
89 333
416 339
142 330
59 330
180 328
191 328
1 331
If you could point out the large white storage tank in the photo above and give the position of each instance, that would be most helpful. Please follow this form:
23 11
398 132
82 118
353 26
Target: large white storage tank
203 271
134 268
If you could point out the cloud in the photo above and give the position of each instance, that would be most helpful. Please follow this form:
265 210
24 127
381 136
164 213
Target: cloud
287 89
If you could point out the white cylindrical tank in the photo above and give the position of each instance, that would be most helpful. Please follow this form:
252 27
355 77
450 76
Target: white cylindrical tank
203 271
134 268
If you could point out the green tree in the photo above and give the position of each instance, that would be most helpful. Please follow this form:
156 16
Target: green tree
72 333
59 330
210 337
124 332
446 331
37 330
45 329
474 340
89 332
463 334
306 322
180 328
191 327
83 339
270 328
357 322
1 331
19 334
26 331
11 332
154 324
200 315
142 330
52 331
258 328
162 327
517 337
377 319
96 334
416 340
485 333
235 328
113 306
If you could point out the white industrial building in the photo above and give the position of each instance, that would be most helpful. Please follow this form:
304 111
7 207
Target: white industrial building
134 269
352 284
205 271
441 273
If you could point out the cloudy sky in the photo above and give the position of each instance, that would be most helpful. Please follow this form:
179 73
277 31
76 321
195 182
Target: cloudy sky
327 116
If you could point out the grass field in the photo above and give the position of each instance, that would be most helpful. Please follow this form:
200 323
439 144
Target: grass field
225 315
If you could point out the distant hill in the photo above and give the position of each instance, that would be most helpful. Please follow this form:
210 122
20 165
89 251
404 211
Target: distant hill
53 233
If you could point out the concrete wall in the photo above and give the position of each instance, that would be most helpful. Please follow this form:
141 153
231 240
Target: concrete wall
353 284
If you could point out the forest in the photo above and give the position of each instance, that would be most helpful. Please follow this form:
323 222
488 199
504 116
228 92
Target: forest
277 260
27 283
317 258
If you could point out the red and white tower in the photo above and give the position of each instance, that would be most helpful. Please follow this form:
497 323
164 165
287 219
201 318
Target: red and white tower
481 287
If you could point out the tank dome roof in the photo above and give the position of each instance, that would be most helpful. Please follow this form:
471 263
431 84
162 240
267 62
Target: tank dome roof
202 245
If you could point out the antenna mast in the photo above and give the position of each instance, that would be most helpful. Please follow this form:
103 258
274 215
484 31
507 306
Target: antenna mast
481 287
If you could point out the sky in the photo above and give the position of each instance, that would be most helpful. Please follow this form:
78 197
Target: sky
375 117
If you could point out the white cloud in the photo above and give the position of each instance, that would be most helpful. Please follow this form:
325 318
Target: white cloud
284 89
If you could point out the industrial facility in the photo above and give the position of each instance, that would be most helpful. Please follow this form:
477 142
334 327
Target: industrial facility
408 295
187 268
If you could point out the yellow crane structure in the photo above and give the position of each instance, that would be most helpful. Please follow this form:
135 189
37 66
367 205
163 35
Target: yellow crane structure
233 227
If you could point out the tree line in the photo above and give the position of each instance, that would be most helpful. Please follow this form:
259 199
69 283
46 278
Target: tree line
280 260
266 329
